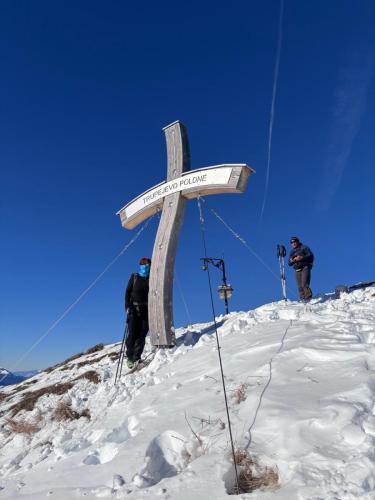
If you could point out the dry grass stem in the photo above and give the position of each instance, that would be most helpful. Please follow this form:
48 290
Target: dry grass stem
91 376
90 361
239 394
95 348
22 426
23 386
114 355
268 479
30 398
67 367
205 421
199 439
252 475
86 413
64 412
242 457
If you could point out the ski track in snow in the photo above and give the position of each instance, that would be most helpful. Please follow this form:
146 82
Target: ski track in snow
308 372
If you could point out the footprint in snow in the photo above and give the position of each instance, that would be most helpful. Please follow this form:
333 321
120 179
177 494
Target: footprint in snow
102 455
148 412
166 456
119 434
367 335
97 492
122 433
369 425
353 434
95 435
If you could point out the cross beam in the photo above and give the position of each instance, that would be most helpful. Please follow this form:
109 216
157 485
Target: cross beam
170 197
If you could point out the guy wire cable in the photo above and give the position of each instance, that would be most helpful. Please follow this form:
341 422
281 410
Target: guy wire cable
80 297
183 298
201 218
251 250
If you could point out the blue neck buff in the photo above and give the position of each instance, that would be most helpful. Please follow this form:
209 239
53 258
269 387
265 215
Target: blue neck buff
144 270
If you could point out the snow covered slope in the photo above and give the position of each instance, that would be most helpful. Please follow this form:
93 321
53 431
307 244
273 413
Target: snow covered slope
301 390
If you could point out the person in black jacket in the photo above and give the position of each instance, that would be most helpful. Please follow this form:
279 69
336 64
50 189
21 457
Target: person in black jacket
136 305
301 258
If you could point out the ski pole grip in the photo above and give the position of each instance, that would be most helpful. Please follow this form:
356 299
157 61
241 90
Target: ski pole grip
281 251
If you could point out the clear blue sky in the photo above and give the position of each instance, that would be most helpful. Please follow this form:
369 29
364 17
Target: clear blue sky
86 88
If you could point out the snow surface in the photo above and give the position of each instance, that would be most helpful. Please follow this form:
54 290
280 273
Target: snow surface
306 372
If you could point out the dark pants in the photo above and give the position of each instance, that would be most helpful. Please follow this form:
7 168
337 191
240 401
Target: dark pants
137 331
303 278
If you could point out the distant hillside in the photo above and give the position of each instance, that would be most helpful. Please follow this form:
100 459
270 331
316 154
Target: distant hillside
14 378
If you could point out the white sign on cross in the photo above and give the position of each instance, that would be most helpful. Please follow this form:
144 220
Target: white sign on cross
170 197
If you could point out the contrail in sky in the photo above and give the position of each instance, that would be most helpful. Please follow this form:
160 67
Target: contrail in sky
275 78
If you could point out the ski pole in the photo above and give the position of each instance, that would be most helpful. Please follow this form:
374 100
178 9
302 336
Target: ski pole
122 354
281 253
123 349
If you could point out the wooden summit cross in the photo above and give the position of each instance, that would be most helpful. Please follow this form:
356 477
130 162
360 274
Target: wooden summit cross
170 197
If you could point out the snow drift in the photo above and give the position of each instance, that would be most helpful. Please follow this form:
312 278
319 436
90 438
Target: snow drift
300 381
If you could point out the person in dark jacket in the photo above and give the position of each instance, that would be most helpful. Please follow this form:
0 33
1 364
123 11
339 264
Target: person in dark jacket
301 258
136 305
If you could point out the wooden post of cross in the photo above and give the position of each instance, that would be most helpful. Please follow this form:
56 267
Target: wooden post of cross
170 197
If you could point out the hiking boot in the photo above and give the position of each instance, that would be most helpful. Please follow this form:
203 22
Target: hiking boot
132 364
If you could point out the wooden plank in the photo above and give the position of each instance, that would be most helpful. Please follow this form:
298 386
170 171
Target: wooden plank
160 308
237 184
137 210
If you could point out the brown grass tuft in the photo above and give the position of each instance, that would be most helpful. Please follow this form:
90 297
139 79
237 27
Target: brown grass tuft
267 480
95 348
23 386
252 475
90 361
83 363
114 356
30 398
71 358
67 367
242 457
91 376
64 411
86 413
239 394
22 426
